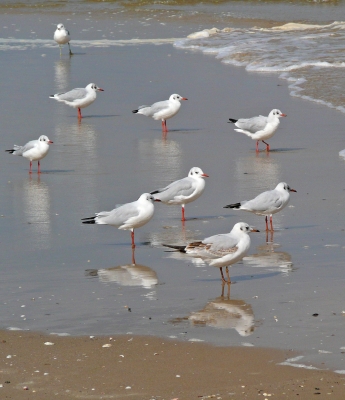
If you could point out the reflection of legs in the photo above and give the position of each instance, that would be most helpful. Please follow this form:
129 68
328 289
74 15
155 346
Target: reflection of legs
133 256
70 51
132 236
38 167
30 170
257 146
271 222
79 113
164 126
271 237
60 49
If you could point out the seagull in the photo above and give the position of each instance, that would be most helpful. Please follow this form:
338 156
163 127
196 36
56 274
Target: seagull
266 203
221 250
127 216
162 110
34 150
62 36
259 128
184 190
79 97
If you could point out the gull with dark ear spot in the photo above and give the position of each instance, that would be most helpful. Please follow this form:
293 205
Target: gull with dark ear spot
62 36
184 190
34 150
266 203
259 128
162 110
127 216
79 97
221 250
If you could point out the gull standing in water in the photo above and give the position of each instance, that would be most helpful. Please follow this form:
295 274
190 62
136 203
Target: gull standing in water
221 250
266 203
34 150
162 110
62 36
184 190
79 97
127 216
259 128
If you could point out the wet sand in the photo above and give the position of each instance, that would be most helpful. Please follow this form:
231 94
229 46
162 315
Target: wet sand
151 368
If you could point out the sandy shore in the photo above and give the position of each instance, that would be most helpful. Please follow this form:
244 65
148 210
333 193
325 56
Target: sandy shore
134 367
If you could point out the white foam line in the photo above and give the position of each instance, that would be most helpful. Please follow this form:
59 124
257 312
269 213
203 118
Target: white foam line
85 43
291 363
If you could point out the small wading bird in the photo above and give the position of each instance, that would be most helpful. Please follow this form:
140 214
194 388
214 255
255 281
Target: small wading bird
162 110
62 36
266 203
221 250
259 128
34 150
184 190
79 97
127 216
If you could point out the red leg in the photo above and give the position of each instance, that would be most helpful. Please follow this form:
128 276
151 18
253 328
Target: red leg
257 146
266 220
38 167
183 218
227 274
267 146
30 170
132 236
79 113
271 222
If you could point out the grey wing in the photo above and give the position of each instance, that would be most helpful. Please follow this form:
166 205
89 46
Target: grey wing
120 215
265 201
252 125
72 95
159 106
222 243
182 187
28 146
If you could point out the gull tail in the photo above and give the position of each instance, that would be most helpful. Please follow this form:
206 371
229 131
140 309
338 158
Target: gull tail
89 220
135 111
236 206
233 120
182 249
10 151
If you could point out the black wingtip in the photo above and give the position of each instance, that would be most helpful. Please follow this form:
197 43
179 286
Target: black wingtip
235 206
233 120
181 249
154 192
90 220
135 111
10 151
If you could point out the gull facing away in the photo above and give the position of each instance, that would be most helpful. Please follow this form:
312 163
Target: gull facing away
184 190
62 36
127 216
34 150
259 128
79 97
266 203
162 110
221 250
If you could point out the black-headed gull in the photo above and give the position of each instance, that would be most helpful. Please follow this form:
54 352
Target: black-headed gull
266 203
62 36
79 97
259 128
221 250
127 216
184 190
34 150
162 110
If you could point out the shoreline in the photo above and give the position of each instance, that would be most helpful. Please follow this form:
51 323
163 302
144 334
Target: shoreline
139 367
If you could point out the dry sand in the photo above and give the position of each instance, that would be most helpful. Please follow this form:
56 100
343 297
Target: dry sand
151 368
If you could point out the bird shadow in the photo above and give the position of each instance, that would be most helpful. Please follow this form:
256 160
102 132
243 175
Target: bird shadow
56 171
283 150
243 278
100 116
179 130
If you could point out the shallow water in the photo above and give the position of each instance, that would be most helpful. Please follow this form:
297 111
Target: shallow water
61 276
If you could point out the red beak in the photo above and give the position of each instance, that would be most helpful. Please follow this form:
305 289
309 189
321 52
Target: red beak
101 90
283 115
183 98
50 142
205 175
293 190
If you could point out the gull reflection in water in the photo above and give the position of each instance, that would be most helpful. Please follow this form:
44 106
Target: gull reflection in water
268 257
127 275
224 313
36 206
62 69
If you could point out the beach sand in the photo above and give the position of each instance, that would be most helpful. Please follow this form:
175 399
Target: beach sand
151 368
